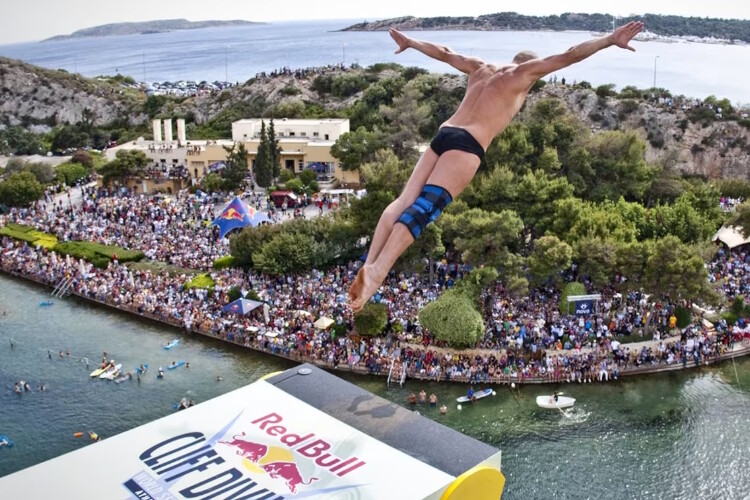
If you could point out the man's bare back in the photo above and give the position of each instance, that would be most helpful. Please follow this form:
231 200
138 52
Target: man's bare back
494 94
493 97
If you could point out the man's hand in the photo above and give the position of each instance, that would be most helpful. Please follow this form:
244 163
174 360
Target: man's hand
401 39
622 35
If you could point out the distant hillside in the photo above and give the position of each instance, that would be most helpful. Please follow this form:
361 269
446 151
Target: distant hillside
39 98
728 29
148 27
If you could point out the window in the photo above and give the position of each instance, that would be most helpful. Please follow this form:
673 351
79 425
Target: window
303 134
301 165
326 137
315 134
291 134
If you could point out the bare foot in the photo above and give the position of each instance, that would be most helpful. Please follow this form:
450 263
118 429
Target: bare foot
364 287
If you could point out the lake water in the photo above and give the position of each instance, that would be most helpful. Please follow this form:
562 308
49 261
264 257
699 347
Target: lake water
677 436
693 69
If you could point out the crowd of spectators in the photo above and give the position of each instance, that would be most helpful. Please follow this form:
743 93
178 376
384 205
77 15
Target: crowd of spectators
526 338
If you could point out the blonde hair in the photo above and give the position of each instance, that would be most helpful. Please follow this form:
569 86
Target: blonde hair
526 55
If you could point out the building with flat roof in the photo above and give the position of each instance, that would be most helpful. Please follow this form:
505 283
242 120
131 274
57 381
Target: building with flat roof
305 144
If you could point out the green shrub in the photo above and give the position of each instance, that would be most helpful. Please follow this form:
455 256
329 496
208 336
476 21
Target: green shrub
234 293
306 177
286 175
224 262
290 90
69 173
253 295
338 330
201 281
607 90
573 288
730 317
683 315
295 185
371 320
454 319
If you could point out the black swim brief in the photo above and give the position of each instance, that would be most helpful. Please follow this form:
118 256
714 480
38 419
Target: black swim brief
450 138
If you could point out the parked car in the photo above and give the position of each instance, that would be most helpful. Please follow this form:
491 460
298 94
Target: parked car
279 197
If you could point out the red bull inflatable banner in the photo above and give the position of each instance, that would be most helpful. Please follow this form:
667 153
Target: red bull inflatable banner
257 442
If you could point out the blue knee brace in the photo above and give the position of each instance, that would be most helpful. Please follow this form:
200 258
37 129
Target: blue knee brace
426 209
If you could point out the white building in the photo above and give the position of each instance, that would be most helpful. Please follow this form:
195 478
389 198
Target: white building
327 129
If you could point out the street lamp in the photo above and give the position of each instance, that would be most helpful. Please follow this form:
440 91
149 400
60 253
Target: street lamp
655 58
226 67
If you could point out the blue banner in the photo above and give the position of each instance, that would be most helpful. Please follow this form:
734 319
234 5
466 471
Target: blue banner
584 307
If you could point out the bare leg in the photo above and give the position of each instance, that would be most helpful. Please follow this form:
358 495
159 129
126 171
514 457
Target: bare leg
411 192
454 170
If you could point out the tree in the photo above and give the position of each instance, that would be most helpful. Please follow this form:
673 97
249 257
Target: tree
485 238
677 269
20 190
212 183
741 217
19 141
127 163
274 150
236 169
454 319
386 174
371 320
597 260
618 161
512 148
285 253
44 172
353 149
263 166
307 177
69 173
549 257
406 117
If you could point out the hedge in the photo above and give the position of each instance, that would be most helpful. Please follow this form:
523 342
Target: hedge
201 281
224 262
29 235
98 254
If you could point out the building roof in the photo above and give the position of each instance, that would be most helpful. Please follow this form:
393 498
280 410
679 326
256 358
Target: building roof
295 121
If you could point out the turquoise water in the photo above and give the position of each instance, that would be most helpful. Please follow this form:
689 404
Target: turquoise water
693 69
680 435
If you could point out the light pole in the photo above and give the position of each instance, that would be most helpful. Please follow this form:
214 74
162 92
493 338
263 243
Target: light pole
226 67
655 58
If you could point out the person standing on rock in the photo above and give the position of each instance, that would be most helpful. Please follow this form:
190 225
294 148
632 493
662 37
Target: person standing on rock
494 95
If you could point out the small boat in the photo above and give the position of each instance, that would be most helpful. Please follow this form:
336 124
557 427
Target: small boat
172 344
123 378
550 403
5 441
477 395
94 436
46 303
178 364
111 373
99 371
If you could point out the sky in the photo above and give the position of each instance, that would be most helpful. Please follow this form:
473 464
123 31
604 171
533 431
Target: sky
28 20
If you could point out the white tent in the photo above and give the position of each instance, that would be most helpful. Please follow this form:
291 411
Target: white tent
323 323
731 236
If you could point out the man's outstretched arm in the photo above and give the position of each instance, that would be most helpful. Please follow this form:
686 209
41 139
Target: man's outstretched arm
460 62
537 68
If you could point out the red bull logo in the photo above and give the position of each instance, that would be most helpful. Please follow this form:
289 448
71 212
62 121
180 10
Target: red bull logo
232 214
279 462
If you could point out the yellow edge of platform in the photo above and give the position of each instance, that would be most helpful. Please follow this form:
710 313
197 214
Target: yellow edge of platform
478 483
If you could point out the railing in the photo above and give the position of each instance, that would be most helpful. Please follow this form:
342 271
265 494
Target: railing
390 373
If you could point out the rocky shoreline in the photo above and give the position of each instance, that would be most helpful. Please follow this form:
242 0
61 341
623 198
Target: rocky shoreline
740 349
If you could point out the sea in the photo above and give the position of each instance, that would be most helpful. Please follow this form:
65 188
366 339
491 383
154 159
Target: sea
238 53
680 435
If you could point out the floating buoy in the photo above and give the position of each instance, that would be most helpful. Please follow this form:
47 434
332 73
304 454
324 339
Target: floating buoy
494 393
512 385
459 407
78 434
